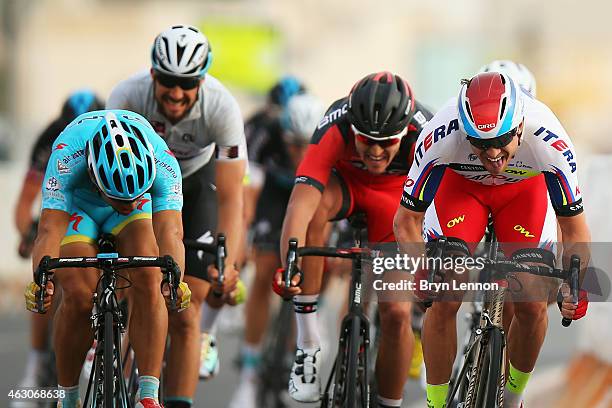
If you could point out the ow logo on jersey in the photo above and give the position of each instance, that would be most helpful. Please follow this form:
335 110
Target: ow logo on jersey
455 221
332 116
439 133
559 145
523 231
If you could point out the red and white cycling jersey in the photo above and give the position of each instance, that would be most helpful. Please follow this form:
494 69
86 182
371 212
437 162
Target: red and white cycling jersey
545 149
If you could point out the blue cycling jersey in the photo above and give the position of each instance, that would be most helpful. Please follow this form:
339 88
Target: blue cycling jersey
67 175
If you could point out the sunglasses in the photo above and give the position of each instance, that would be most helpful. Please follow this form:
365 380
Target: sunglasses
169 81
385 142
496 143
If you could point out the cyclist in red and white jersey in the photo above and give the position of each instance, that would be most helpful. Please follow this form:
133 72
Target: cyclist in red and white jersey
356 162
517 164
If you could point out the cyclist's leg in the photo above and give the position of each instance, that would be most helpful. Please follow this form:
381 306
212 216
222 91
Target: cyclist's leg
522 229
305 380
72 333
181 375
455 213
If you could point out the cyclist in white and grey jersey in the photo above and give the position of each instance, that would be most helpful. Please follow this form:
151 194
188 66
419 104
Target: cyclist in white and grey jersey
201 123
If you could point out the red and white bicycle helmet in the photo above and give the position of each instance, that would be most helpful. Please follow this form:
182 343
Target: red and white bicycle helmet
490 105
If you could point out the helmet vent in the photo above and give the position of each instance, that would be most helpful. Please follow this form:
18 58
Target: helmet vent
117 181
97 143
119 140
194 53
124 126
192 29
149 165
166 46
113 124
179 53
503 79
138 135
140 174
110 156
129 181
467 108
503 108
125 160
135 148
103 178
104 131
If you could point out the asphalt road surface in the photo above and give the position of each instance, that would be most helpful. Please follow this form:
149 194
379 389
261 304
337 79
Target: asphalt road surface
216 393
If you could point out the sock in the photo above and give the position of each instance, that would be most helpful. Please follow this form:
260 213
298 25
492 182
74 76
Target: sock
388 402
209 318
436 395
251 359
35 361
306 318
148 387
515 387
178 402
71 396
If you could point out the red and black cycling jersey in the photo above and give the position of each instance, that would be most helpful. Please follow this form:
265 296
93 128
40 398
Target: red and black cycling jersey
333 141
39 157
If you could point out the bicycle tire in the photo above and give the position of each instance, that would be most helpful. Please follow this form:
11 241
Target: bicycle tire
109 371
353 363
489 387
276 364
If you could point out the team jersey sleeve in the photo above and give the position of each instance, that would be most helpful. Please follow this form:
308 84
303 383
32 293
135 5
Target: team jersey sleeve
225 122
167 191
325 149
65 167
432 153
558 162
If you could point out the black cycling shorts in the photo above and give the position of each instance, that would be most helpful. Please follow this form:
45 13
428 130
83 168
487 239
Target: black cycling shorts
199 217
269 215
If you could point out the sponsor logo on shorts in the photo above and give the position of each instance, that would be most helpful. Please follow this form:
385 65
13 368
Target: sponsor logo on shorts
76 220
455 221
523 231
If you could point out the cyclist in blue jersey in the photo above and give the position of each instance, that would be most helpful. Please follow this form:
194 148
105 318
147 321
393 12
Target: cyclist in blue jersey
109 172
77 103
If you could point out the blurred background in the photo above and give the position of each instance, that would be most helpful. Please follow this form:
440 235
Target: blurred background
49 48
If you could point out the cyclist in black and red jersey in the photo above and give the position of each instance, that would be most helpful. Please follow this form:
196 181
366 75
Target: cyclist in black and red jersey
356 162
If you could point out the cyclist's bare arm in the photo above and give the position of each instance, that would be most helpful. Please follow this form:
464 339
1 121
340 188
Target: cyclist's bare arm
230 198
576 239
51 229
168 229
407 226
302 205
29 192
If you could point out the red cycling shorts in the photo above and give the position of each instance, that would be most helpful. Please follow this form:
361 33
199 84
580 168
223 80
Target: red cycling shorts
378 196
521 212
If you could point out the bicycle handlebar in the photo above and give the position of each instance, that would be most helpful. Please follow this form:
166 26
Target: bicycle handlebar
219 250
293 253
113 262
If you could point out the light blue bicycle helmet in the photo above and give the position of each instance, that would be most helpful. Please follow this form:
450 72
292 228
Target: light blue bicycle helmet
119 156
79 102
284 89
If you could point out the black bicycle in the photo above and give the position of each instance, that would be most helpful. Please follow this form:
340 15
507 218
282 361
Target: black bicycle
480 381
348 384
106 385
219 250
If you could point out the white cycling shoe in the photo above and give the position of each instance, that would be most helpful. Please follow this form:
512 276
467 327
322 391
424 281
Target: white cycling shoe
305 380
245 395
209 357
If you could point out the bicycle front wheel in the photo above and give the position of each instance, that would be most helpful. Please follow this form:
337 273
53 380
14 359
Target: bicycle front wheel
108 364
353 363
491 381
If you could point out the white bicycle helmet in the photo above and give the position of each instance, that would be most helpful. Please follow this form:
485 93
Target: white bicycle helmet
517 71
301 117
181 50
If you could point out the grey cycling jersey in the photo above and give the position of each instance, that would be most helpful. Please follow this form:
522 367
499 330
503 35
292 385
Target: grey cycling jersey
213 125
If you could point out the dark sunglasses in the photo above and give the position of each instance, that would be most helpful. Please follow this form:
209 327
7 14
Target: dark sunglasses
169 81
496 143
